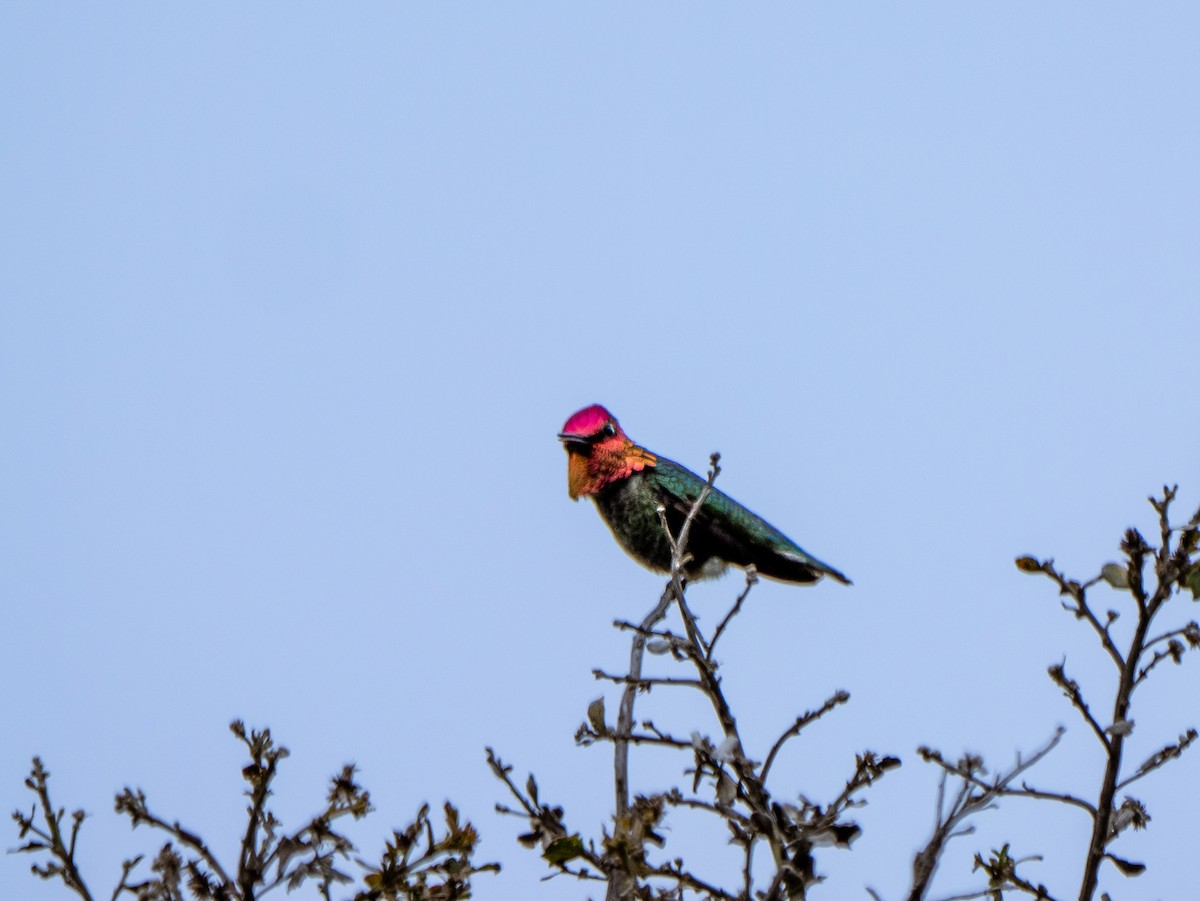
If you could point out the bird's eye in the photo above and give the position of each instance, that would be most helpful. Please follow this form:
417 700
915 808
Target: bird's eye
609 430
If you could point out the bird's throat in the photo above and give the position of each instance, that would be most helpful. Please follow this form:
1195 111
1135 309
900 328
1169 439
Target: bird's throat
578 477
588 473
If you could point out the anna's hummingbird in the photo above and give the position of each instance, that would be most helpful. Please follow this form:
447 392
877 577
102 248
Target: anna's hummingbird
629 484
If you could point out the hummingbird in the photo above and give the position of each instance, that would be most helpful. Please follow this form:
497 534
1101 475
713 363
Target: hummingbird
630 484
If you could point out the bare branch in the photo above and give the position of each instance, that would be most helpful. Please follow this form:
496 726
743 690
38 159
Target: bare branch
1058 675
625 712
1160 757
1077 592
644 683
975 795
803 720
751 581
50 838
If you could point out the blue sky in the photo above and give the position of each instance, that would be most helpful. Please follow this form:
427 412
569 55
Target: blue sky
297 298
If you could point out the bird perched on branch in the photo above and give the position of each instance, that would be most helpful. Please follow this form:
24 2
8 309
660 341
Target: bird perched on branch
630 485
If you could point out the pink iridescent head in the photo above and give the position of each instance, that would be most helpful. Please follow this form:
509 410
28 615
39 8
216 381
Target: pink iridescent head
589 425
599 452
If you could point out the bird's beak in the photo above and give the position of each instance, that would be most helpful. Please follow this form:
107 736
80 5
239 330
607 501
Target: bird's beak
570 440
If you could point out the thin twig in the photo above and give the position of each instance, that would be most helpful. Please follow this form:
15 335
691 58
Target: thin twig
968 803
724 811
803 720
1078 593
645 682
52 835
751 581
625 712
134 805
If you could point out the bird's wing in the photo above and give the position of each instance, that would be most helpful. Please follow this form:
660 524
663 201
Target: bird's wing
725 529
